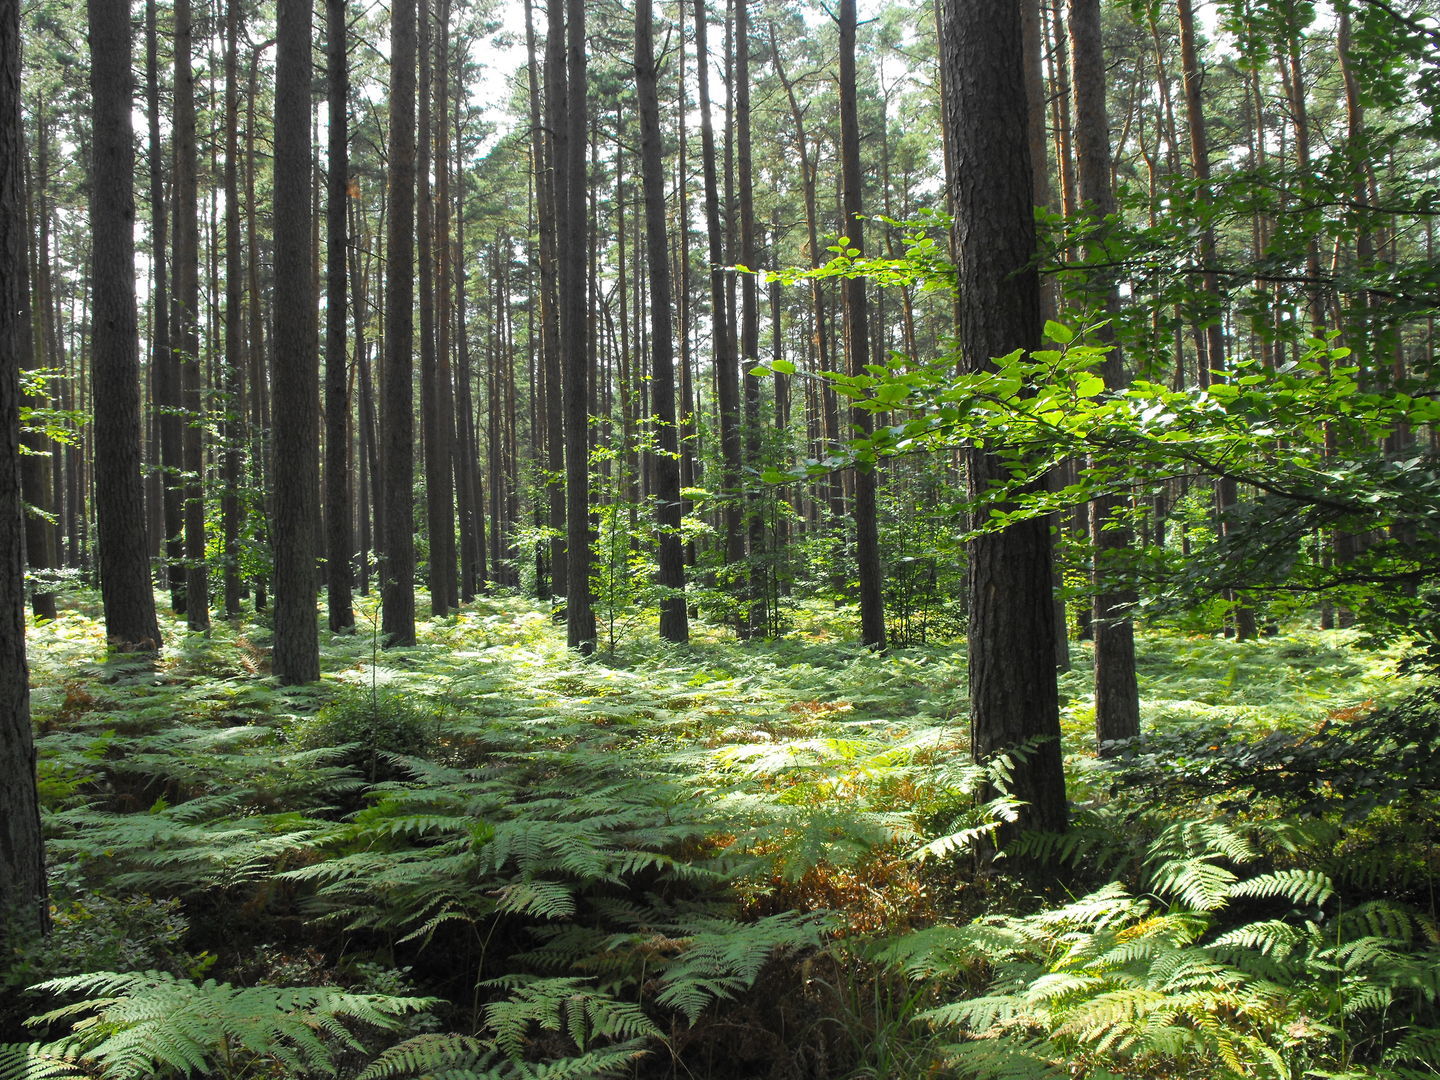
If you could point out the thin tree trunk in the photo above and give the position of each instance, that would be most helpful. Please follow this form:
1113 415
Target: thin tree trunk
1117 698
338 537
857 340
187 318
234 427
663 460
727 382
397 423
574 239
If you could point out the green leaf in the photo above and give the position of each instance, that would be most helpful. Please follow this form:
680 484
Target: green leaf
1058 332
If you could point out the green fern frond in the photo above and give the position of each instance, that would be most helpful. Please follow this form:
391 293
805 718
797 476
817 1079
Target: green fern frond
567 1004
1196 882
1306 888
1009 1058
977 1014
142 1025
723 957
35 1061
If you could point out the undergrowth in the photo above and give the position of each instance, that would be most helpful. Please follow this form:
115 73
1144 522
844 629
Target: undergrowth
484 857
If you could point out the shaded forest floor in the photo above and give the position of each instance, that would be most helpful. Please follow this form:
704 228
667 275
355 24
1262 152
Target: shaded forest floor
733 860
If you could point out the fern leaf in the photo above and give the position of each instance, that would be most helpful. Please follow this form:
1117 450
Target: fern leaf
1305 888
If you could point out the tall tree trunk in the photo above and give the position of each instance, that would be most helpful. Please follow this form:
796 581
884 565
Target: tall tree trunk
36 480
442 499
338 537
187 321
857 340
472 507
727 380
757 620
574 238
295 375
429 379
130 622
1014 700
397 422
1215 362
1117 698
259 382
663 460
234 426
22 855
165 373
555 114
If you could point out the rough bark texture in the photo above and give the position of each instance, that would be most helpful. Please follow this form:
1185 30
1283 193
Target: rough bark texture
294 374
187 318
338 534
397 425
1117 699
575 337
664 460
130 623
857 340
1013 697
230 513
555 103
22 865
727 380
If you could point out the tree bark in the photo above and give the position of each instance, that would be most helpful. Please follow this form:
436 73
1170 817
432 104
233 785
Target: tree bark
727 381
573 241
22 857
338 535
1014 699
397 424
129 599
295 376
857 340
664 459
1117 698
234 427
187 321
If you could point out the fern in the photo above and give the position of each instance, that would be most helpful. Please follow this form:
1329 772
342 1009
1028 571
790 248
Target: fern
152 1024
721 958
569 1005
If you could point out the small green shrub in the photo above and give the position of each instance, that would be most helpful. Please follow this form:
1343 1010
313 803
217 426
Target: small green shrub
376 724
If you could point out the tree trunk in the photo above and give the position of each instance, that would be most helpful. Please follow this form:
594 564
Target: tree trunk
574 239
397 424
338 537
857 340
727 382
234 426
22 857
1117 699
1014 699
663 460
294 375
443 549
187 321
130 622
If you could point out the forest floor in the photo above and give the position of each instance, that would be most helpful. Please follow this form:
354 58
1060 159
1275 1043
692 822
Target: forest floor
750 859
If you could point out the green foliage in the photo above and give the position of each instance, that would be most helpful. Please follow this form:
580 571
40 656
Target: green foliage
1159 983
593 863
154 1025
373 726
